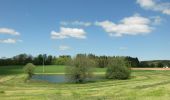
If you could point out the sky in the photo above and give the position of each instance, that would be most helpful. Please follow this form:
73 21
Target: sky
137 28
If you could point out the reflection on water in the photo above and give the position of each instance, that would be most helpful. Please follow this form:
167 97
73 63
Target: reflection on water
59 78
50 78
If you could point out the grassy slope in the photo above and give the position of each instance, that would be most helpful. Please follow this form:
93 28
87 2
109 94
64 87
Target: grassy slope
149 85
6 70
59 69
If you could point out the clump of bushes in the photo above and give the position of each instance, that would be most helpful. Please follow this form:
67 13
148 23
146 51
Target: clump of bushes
79 69
29 70
118 68
2 91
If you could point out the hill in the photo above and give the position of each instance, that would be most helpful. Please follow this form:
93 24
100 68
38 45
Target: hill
155 63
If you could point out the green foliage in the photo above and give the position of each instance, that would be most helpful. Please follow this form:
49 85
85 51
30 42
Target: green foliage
61 60
155 63
102 61
22 59
29 69
79 69
2 91
118 68
134 62
144 85
160 65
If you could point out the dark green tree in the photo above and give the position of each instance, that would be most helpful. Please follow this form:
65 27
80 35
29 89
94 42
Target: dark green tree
118 68
160 65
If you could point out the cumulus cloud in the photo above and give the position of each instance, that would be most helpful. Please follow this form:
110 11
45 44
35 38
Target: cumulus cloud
68 32
8 41
163 7
64 48
76 23
8 31
134 25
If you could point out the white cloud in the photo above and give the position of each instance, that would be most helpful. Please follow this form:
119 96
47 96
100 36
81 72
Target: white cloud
163 7
64 48
69 32
76 23
8 41
134 25
8 31
166 11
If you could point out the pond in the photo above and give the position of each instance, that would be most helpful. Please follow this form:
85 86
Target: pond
58 78
50 78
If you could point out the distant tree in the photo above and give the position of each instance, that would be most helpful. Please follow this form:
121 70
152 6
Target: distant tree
38 60
49 60
6 61
79 69
160 65
133 61
91 56
29 70
29 59
168 64
144 64
20 59
118 69
94 59
102 61
152 65
62 60
54 61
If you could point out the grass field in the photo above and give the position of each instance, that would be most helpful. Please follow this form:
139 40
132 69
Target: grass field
51 69
143 85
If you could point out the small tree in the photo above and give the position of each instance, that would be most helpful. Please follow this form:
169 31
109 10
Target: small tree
29 69
79 69
118 68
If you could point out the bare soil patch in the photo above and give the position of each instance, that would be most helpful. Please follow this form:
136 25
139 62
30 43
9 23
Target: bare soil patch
150 68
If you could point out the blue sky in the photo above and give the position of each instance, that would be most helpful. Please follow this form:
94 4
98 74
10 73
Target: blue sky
137 28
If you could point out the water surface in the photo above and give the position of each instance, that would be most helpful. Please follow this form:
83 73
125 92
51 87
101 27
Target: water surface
58 78
50 78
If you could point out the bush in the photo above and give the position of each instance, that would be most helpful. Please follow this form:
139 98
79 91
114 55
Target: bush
118 68
29 69
79 69
2 91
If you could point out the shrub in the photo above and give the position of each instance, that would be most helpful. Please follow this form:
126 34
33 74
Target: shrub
2 91
118 68
29 69
79 69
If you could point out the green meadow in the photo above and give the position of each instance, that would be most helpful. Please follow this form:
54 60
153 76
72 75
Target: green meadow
49 69
143 85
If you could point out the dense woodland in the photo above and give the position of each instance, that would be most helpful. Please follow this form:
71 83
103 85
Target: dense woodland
101 61
155 63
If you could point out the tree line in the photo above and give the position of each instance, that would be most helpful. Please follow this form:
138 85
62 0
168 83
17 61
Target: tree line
41 59
100 61
155 63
